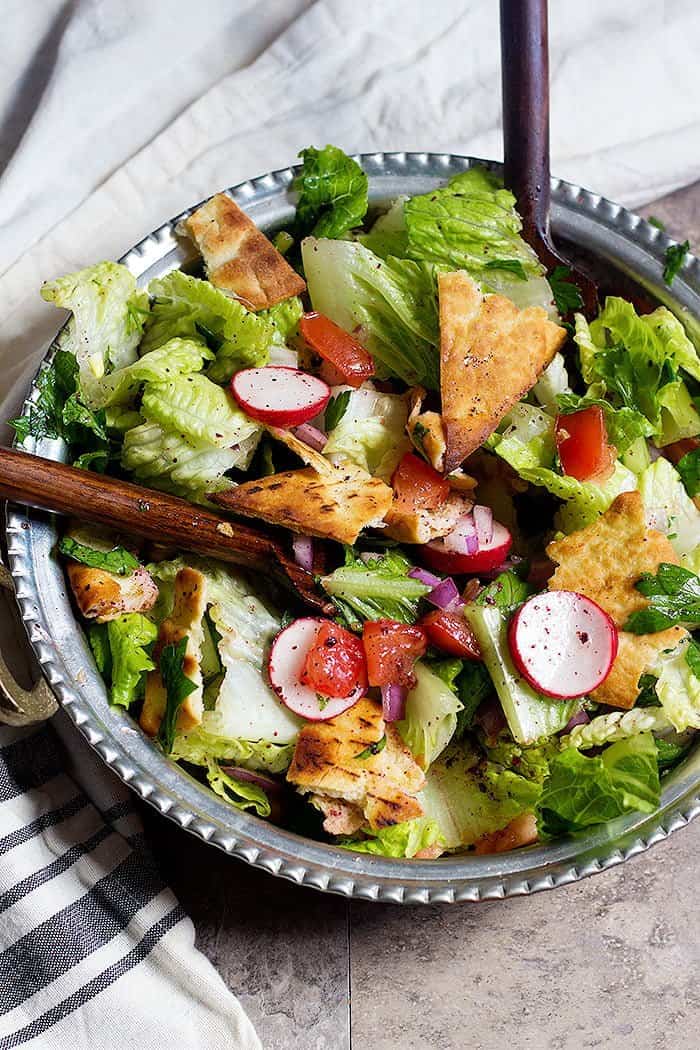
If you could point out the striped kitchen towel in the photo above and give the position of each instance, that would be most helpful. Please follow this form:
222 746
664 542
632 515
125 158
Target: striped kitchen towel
95 951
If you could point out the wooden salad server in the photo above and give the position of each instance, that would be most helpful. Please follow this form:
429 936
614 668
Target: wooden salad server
525 92
156 516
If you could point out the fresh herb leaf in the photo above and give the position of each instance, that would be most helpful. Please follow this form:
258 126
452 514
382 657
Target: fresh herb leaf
336 409
96 460
567 294
647 692
474 685
283 241
55 384
332 192
418 435
373 749
653 221
118 560
669 753
674 257
674 596
689 469
177 688
513 266
692 658
323 701
506 592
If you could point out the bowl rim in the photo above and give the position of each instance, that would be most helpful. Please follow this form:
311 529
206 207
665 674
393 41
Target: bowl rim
617 234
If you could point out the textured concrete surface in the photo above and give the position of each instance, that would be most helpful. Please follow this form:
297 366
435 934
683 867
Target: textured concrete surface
611 962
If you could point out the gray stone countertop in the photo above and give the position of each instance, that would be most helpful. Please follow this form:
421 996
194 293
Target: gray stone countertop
610 962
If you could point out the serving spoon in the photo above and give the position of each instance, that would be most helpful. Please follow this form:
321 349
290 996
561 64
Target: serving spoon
525 93
121 505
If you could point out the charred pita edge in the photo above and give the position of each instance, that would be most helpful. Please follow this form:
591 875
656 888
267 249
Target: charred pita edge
104 596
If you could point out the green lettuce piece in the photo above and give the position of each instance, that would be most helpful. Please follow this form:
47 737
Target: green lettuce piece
131 638
332 192
616 725
473 686
161 459
581 791
553 385
284 318
669 507
178 686
689 471
177 357
198 410
191 308
377 589
239 793
471 224
398 840
390 303
107 323
120 418
199 747
679 416
98 640
430 718
117 559
529 714
371 433
388 235
678 687
457 799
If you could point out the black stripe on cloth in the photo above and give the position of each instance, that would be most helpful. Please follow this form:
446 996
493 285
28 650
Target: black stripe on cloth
78 930
61 864
46 820
98 984
118 810
28 763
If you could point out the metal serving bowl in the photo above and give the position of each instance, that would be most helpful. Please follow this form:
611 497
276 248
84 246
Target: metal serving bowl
598 226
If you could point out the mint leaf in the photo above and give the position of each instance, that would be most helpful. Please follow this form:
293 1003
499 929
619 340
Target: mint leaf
118 560
674 256
373 749
332 192
674 596
567 294
511 265
506 592
689 469
177 687
336 409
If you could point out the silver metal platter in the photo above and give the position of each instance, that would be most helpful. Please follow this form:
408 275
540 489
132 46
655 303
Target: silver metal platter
598 225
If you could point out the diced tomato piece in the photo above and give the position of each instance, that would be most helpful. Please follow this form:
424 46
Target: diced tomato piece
335 663
677 449
336 346
391 650
582 444
451 633
417 486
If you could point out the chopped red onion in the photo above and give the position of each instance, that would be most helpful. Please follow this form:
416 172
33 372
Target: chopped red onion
428 578
579 719
303 547
483 522
463 538
445 594
393 702
246 775
654 452
311 436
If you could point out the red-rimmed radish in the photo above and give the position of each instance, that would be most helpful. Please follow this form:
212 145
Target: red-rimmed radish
285 668
280 396
488 556
562 643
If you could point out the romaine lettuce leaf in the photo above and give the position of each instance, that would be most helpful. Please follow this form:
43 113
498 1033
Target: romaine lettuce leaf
175 358
669 507
284 318
388 235
371 432
390 304
552 385
190 308
107 323
161 459
239 793
678 687
582 791
616 725
689 469
199 747
332 192
430 718
198 410
398 840
375 589
131 638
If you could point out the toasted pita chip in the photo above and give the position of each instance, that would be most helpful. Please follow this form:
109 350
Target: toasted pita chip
426 431
238 257
520 832
422 526
306 454
104 596
330 761
605 560
335 505
189 605
635 655
491 353
340 818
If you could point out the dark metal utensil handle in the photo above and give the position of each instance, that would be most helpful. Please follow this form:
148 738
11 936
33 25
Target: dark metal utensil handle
525 86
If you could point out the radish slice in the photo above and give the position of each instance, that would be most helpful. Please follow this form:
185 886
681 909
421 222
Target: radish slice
437 555
280 396
287 656
562 643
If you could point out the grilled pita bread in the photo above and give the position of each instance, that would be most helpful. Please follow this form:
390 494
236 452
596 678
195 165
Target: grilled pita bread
238 257
491 353
104 596
336 504
426 431
185 620
635 655
331 762
422 526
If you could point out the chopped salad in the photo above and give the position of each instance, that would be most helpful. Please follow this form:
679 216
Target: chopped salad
499 497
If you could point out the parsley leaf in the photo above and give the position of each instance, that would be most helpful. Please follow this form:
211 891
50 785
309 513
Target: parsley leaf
118 560
689 470
653 221
373 749
674 256
505 592
692 657
177 687
513 266
567 294
674 595
336 409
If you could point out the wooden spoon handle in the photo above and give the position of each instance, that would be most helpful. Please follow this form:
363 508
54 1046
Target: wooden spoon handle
48 485
525 88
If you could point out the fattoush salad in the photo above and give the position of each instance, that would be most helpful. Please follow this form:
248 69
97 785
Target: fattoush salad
498 496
